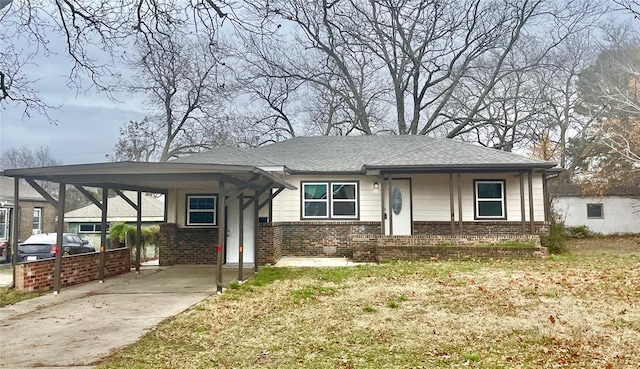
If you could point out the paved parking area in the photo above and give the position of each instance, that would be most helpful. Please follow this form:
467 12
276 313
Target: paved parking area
83 324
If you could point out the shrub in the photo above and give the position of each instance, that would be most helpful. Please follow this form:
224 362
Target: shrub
556 239
579 232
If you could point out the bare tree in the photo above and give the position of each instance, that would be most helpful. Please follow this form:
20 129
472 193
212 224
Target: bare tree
185 91
26 157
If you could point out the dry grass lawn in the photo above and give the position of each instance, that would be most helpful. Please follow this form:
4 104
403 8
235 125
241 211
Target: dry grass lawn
580 310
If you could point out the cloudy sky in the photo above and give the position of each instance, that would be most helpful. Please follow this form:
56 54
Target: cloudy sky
86 125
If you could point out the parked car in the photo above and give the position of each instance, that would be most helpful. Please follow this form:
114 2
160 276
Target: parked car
43 246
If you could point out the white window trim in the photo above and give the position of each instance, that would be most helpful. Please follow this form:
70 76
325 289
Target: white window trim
354 201
6 223
330 200
214 210
502 199
93 226
325 201
39 229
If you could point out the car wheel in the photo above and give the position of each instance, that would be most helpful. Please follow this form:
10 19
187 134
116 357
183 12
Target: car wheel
66 253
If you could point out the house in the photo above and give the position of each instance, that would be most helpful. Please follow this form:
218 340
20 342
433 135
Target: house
87 221
369 197
359 185
615 210
36 214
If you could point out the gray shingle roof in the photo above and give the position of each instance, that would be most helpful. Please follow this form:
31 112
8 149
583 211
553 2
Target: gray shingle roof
26 192
352 153
118 208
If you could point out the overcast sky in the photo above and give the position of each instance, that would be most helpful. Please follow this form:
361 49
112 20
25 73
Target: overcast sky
86 127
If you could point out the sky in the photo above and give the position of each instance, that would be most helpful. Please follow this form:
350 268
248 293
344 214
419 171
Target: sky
86 125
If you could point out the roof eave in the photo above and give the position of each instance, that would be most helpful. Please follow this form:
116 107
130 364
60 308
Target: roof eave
507 167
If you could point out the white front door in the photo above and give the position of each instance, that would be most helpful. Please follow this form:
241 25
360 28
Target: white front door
233 233
398 211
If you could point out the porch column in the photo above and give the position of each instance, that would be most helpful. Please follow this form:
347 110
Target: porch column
523 220
241 236
57 272
389 211
103 232
547 201
532 225
221 234
451 206
458 181
382 220
15 232
138 231
256 210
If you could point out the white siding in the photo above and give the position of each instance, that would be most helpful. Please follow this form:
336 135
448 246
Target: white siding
287 207
431 196
620 214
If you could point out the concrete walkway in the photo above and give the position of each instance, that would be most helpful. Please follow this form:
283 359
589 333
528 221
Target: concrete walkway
83 324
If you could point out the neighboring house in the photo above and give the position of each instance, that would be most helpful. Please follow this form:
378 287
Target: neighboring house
344 186
36 214
616 210
87 221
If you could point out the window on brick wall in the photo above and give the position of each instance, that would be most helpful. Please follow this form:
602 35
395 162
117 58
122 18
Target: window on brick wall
201 210
490 199
4 223
330 200
37 221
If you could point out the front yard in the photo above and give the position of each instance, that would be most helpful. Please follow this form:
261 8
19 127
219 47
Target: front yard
578 310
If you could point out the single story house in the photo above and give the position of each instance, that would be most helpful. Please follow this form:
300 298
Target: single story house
350 186
87 221
369 197
36 214
615 210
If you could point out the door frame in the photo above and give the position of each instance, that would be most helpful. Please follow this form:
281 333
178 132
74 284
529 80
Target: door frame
389 181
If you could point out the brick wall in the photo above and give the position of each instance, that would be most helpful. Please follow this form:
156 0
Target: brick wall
477 228
429 247
187 245
269 243
37 276
26 218
319 239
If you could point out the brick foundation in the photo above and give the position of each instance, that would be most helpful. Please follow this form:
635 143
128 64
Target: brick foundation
377 248
187 245
478 228
37 276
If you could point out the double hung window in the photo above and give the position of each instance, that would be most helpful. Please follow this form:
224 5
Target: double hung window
330 200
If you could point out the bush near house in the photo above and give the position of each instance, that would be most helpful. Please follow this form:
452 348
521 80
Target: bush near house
125 235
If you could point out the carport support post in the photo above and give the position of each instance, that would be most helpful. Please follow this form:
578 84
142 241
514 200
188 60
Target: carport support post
256 222
138 231
15 234
103 232
57 273
241 236
221 234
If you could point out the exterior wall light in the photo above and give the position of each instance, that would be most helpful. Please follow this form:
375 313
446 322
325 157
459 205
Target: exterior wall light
376 185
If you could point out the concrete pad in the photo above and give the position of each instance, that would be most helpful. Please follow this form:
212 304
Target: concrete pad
82 325
6 275
315 262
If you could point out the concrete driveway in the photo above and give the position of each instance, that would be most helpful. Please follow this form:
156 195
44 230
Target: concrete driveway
83 324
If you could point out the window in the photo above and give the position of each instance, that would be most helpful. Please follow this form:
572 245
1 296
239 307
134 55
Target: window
4 223
490 199
37 221
201 209
595 211
336 200
91 227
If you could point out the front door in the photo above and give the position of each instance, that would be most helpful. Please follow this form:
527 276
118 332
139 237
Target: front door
233 233
398 211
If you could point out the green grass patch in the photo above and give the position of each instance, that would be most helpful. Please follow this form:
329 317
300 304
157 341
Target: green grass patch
10 296
311 293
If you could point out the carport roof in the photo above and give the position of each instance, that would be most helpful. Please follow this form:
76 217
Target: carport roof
151 177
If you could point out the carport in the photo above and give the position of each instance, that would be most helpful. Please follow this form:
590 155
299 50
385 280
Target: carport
247 184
